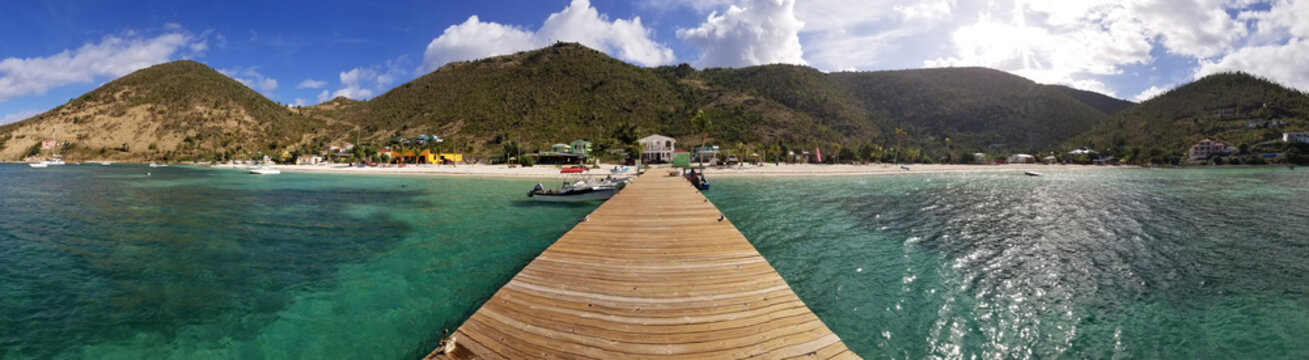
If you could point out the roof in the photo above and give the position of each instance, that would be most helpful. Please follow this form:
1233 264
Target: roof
655 137
580 141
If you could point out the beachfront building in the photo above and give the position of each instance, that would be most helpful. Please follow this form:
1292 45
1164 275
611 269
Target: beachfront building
1021 159
308 160
705 153
1202 150
979 158
657 149
1295 137
581 147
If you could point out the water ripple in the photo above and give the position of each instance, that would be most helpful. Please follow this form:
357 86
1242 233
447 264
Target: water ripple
1137 263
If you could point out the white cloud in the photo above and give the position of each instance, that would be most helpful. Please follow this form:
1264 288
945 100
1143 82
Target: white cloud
760 32
475 39
1196 28
252 79
364 82
324 96
353 83
19 116
579 22
1150 93
113 56
1285 63
311 84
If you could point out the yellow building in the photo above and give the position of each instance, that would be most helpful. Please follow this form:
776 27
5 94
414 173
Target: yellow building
432 158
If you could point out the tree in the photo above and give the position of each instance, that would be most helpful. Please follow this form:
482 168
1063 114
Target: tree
836 153
740 152
947 151
702 125
899 139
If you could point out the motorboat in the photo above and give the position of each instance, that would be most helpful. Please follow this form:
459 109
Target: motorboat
579 188
1031 173
697 179
40 164
619 170
55 161
105 163
157 165
265 170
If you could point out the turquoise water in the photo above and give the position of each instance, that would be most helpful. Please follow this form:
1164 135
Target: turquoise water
109 263
1115 263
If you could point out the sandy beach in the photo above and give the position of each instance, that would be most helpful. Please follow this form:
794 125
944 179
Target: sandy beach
734 171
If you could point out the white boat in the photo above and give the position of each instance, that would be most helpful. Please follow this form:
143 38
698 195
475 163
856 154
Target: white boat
105 163
265 170
1032 173
157 165
54 153
579 189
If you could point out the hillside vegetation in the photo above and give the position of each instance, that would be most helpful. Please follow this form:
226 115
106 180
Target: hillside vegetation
1234 108
529 100
978 109
173 111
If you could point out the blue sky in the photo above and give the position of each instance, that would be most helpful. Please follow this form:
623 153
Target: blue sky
304 52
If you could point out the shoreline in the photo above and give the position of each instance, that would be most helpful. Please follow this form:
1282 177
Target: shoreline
784 170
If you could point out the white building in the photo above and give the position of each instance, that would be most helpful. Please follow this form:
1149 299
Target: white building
657 148
1021 159
1302 137
1202 150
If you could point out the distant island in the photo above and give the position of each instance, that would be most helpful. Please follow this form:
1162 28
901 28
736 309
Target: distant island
498 108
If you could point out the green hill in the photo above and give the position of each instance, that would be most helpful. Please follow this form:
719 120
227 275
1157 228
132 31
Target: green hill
172 111
185 110
1234 108
555 94
978 109
1098 101
810 92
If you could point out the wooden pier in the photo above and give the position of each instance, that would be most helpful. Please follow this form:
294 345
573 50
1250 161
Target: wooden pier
655 272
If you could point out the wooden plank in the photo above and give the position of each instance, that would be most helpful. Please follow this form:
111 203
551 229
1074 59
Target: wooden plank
655 272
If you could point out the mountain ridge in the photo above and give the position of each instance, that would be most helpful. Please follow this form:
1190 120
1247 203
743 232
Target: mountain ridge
568 91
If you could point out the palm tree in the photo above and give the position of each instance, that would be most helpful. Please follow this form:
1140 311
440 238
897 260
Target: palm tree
948 155
899 139
740 153
702 125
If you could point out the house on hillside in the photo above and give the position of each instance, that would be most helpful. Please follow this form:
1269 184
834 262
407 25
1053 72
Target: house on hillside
1294 137
657 149
1202 150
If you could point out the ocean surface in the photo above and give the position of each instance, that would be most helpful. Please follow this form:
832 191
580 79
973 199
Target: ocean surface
186 263
107 262
1100 264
